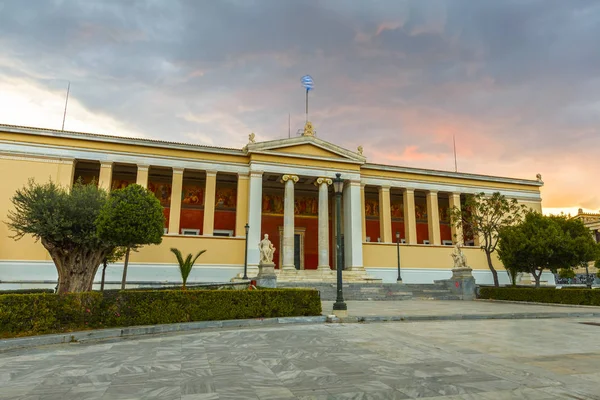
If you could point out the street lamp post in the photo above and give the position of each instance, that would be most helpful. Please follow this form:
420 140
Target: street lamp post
247 227
399 280
338 186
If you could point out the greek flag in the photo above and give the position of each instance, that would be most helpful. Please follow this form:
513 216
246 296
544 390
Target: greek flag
307 82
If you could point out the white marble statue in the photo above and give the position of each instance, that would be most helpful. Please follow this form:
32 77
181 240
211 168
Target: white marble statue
460 260
266 250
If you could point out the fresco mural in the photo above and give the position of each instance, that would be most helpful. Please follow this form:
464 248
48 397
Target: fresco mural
397 209
371 207
304 205
162 191
444 215
192 196
225 198
121 183
421 209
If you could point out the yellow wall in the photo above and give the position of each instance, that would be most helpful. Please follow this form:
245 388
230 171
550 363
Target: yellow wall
15 174
382 255
219 250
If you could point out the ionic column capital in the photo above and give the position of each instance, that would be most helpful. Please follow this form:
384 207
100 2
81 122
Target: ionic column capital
292 178
256 174
321 181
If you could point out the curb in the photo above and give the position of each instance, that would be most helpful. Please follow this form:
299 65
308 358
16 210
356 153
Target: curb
537 303
113 333
461 317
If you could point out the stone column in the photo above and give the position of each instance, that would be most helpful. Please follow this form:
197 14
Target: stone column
105 177
288 223
254 220
353 255
385 215
362 212
175 207
410 221
209 203
66 173
457 233
241 207
323 184
433 218
142 175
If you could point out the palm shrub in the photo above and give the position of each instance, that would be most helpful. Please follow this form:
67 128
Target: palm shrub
185 266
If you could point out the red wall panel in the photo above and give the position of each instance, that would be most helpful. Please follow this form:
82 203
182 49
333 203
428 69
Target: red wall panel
166 212
398 226
372 228
445 232
225 220
422 232
191 219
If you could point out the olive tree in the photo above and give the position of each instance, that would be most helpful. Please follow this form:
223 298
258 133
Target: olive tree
64 222
131 217
483 217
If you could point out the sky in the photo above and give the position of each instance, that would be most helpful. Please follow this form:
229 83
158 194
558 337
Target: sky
516 83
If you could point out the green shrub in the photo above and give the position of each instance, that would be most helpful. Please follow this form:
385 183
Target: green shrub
543 295
31 314
26 291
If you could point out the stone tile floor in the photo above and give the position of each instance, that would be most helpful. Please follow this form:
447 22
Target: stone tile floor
491 359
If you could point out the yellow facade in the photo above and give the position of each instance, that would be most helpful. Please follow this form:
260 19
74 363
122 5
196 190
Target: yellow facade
44 155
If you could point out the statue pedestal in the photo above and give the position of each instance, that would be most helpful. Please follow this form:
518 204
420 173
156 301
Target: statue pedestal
462 283
266 275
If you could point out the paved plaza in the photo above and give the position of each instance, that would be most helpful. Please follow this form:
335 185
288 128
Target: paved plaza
490 359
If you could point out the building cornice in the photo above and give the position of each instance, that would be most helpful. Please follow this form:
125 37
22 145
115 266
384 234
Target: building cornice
93 137
449 174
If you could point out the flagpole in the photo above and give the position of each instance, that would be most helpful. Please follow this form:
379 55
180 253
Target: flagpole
307 105
66 101
455 165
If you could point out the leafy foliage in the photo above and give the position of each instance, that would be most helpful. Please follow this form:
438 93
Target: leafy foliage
483 217
546 242
64 222
566 273
185 266
31 314
543 295
132 217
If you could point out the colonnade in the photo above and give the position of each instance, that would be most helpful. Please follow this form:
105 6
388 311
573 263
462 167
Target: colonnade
410 221
105 181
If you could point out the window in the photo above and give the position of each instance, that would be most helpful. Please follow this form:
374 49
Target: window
447 242
223 233
190 232
402 240
425 241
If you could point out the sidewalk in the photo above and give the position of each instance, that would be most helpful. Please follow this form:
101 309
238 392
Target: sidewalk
427 310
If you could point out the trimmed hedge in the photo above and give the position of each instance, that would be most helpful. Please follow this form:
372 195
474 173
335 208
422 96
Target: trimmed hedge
32 314
588 297
26 291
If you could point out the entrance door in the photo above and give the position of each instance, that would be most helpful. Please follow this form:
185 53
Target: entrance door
297 251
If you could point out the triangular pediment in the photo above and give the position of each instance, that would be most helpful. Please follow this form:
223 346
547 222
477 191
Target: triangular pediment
306 147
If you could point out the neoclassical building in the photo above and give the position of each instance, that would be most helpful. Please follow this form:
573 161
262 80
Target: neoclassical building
279 187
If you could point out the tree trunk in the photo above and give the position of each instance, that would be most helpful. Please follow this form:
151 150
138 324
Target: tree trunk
537 278
491 267
76 267
125 264
103 275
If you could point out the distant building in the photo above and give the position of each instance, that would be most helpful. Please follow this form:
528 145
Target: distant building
592 221
210 193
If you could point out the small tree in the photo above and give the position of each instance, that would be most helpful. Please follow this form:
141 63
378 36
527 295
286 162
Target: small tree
132 217
64 222
483 217
114 256
185 266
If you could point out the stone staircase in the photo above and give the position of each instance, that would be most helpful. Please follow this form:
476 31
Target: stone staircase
377 291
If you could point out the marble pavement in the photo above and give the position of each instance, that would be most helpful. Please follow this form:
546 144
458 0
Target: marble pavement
488 359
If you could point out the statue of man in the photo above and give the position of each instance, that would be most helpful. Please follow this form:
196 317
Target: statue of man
266 250
460 260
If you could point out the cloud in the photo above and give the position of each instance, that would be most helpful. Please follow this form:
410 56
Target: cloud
516 83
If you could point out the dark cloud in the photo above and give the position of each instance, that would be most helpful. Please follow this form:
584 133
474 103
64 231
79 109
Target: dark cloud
517 82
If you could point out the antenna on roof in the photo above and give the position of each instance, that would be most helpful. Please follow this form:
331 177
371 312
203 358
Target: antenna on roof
66 101
455 165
